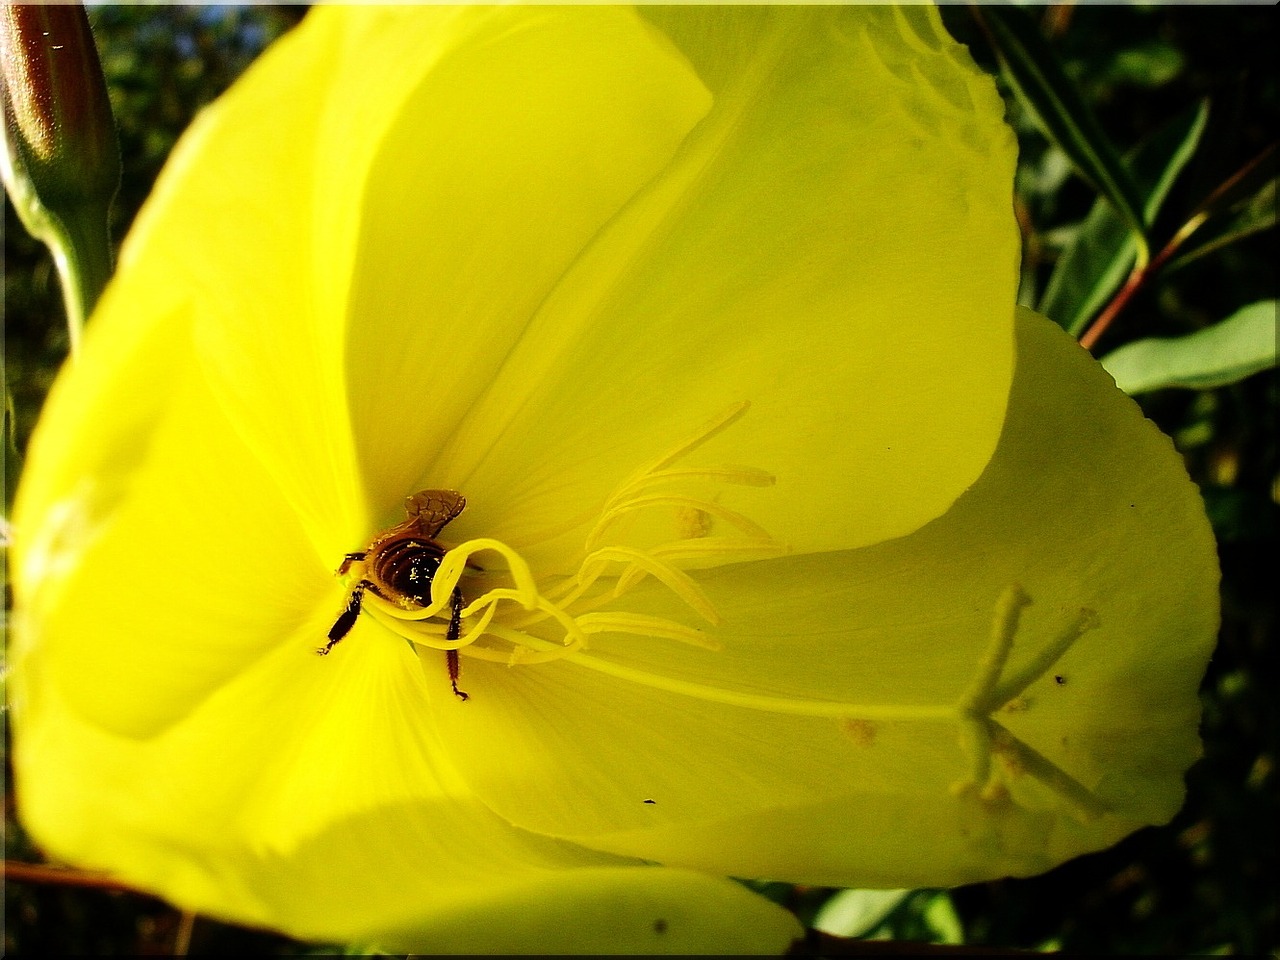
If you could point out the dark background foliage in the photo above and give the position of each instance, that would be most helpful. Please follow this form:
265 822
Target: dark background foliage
1207 882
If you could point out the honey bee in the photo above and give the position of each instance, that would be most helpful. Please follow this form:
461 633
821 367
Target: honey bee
400 564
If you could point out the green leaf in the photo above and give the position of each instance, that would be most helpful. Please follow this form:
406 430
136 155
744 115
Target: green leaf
855 913
1242 185
1103 251
1243 344
1033 70
1253 215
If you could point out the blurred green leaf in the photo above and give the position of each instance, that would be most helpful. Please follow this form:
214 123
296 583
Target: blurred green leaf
1240 516
855 913
1243 344
1150 63
1032 68
12 458
1103 251
942 918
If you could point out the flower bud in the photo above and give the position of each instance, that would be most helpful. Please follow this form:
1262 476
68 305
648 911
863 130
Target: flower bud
58 126
61 158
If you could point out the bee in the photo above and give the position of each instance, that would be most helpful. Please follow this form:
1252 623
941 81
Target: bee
400 564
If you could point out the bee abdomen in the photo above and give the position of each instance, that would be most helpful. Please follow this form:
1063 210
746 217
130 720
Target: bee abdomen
407 567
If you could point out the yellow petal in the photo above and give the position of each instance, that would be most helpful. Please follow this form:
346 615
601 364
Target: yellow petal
267 306
306 794
528 131
171 563
825 245
310 796
832 708
636 910
567 751
268 347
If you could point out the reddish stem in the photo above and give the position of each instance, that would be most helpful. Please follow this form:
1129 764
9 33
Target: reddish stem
43 873
1137 279
816 944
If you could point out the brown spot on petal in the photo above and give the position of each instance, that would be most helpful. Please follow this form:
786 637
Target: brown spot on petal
861 732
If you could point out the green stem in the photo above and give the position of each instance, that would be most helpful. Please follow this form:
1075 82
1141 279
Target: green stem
81 249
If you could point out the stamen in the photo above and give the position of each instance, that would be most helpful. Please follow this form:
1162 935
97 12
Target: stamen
493 631
740 476
523 655
450 572
424 635
433 636
572 632
488 654
794 706
479 630
675 580
644 625
455 561
711 428
527 650
702 553
613 514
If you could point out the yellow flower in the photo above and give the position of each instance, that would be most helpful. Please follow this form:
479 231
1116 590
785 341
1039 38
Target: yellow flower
708 314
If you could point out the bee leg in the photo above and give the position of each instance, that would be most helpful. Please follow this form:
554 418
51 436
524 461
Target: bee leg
348 560
347 619
455 631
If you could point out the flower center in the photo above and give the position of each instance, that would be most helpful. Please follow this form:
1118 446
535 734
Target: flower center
511 616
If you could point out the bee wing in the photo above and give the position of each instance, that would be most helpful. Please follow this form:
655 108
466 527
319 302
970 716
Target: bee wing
434 508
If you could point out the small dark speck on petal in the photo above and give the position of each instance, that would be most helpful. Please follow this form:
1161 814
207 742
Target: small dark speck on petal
659 926
647 800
